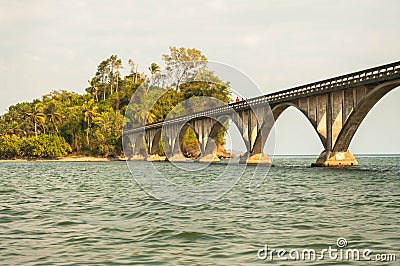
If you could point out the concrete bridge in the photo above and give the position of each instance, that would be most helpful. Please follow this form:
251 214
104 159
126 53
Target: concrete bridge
335 108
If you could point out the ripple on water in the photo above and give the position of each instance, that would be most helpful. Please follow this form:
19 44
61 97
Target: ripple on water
94 213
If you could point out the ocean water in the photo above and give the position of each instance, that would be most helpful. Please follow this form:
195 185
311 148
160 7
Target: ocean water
96 214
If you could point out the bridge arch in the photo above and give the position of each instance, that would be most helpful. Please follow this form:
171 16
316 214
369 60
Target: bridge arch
289 108
172 139
184 129
361 110
134 145
280 108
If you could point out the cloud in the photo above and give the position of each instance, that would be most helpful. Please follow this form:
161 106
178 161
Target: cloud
3 68
279 44
36 58
216 5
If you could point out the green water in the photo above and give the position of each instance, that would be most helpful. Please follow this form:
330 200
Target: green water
95 213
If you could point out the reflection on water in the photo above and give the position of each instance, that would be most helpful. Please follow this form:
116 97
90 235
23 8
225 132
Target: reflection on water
80 213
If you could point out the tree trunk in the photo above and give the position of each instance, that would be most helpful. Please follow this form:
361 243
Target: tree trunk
87 137
87 133
136 73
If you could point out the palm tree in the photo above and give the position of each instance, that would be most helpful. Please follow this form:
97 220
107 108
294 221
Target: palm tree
154 68
116 64
102 75
133 71
55 118
52 114
90 111
94 88
144 116
37 116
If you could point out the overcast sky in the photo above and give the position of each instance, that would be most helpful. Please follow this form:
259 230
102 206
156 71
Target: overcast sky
47 45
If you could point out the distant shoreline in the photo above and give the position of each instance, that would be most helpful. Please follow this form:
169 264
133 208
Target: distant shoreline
67 159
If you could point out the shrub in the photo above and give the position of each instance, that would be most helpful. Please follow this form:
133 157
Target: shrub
45 146
10 147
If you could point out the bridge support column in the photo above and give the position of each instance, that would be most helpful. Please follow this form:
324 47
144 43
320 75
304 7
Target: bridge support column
335 159
174 134
138 149
176 155
204 131
255 127
210 154
153 137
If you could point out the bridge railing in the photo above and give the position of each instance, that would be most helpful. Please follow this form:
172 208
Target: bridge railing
363 77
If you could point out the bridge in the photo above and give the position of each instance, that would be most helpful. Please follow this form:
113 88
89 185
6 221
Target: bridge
335 108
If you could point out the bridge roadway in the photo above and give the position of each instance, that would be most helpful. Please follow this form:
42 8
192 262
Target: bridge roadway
335 107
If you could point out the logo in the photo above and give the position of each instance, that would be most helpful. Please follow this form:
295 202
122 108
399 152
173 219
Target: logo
156 129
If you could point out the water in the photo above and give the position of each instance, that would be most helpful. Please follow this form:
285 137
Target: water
94 213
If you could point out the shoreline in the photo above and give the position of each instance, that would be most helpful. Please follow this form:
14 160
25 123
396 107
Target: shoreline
67 159
123 159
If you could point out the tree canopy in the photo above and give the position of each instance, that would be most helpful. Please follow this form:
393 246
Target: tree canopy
63 122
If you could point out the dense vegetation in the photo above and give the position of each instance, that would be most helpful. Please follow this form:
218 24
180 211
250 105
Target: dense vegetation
62 122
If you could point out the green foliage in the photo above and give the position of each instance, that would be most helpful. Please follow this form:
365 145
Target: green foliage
10 146
63 122
154 68
45 146
107 134
42 146
190 145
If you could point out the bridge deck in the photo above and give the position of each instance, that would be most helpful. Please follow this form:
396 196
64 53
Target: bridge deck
373 75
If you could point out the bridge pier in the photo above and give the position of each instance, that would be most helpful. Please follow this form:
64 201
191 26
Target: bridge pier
138 151
255 124
335 159
258 158
174 134
207 130
177 158
209 158
155 158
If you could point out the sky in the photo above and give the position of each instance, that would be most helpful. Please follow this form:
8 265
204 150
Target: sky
48 45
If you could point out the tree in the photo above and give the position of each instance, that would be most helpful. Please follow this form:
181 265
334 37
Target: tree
154 68
90 123
102 76
116 64
73 127
53 115
182 64
106 136
133 71
10 146
140 108
90 111
37 116
45 146
94 88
